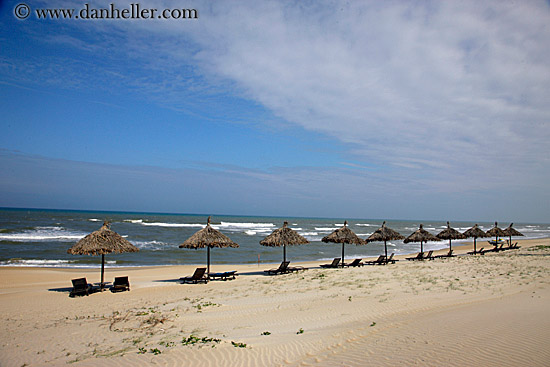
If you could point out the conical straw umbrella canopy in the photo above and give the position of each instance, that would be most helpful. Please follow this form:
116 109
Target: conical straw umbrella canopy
282 237
101 242
343 235
421 235
511 232
385 234
450 234
497 232
476 233
208 237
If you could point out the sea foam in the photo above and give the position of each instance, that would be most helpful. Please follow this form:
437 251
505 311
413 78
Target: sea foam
42 234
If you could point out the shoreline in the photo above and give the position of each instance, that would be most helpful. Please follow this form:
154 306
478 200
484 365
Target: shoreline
462 311
459 249
242 269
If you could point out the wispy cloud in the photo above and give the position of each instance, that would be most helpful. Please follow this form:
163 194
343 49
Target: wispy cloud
434 81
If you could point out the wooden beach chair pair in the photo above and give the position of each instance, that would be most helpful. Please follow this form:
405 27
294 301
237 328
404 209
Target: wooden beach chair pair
336 263
421 256
482 250
82 288
508 247
381 260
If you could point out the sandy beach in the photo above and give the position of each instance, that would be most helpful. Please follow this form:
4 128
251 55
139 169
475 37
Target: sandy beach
490 310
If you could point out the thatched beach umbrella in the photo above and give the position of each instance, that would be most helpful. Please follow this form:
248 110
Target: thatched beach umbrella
208 237
343 235
282 237
511 232
385 234
421 235
450 234
476 233
101 242
497 232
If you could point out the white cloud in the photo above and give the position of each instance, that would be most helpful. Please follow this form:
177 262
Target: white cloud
439 86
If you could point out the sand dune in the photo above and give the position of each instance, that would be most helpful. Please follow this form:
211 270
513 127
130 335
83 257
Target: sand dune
487 310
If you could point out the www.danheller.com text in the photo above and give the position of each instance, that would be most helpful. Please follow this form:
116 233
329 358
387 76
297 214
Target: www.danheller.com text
133 11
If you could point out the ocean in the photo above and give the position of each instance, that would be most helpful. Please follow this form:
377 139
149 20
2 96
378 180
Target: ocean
32 237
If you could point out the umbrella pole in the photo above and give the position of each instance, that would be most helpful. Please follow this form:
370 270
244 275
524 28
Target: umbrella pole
284 253
208 260
343 244
102 272
475 251
385 249
450 246
421 246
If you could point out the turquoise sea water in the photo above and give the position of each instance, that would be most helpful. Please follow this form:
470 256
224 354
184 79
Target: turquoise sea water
30 237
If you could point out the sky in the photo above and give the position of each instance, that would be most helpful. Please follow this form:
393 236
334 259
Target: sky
349 109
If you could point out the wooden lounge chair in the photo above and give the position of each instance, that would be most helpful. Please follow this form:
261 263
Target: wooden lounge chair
120 284
483 252
515 246
448 254
391 259
354 263
80 287
198 276
380 261
334 263
428 256
476 252
296 268
227 275
419 256
282 269
496 248
509 247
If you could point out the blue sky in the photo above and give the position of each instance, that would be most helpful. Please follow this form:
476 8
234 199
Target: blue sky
368 109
